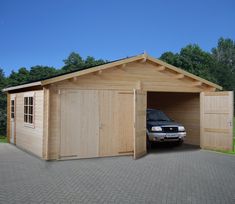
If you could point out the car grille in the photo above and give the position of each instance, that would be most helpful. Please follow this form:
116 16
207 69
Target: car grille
169 129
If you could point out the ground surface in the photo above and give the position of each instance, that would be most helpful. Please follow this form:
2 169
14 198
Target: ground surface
179 175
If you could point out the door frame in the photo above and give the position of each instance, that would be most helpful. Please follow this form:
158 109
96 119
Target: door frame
140 107
12 139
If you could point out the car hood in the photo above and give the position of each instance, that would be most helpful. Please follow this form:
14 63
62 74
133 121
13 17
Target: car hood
162 123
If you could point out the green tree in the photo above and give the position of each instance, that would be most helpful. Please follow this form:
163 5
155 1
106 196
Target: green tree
20 77
73 62
76 62
3 104
41 72
192 59
224 56
91 62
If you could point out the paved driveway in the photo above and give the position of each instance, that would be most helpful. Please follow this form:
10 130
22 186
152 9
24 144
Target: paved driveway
179 176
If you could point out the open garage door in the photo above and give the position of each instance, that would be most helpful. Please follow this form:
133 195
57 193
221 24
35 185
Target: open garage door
140 105
216 120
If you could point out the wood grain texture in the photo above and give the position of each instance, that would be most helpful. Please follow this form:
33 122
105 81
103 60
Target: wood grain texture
183 108
46 119
108 143
79 124
216 120
130 77
8 117
29 138
140 105
125 127
54 121
141 59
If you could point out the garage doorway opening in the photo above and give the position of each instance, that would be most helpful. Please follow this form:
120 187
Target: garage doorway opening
182 108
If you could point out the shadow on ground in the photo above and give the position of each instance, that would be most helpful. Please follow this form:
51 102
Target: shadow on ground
172 147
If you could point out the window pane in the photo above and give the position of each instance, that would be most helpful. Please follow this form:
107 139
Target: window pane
31 101
26 109
12 115
31 110
30 119
25 118
25 100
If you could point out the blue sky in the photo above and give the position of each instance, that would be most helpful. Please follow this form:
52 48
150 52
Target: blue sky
44 32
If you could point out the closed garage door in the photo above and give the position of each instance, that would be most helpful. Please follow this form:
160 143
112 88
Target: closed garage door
96 123
79 124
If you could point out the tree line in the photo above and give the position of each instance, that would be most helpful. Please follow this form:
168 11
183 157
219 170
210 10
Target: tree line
217 65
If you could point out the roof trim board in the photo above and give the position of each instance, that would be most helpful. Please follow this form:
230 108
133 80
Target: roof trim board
38 83
142 58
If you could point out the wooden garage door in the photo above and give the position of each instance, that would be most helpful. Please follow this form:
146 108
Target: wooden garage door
116 122
140 105
79 123
216 120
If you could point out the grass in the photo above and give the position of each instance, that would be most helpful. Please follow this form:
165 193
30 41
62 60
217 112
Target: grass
3 139
232 151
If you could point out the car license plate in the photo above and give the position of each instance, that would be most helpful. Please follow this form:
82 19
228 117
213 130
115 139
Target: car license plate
171 135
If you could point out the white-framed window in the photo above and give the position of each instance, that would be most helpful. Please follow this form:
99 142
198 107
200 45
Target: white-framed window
29 109
12 108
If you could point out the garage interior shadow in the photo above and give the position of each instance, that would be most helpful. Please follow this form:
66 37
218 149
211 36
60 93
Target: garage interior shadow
172 147
183 108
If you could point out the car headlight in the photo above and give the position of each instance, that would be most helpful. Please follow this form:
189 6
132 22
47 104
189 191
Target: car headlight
181 128
156 128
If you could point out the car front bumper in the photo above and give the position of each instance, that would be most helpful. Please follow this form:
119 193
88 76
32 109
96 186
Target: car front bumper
166 137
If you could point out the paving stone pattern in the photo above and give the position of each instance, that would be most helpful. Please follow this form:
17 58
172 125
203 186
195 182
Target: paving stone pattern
186 175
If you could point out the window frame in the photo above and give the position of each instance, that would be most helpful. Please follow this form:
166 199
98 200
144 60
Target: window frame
27 108
12 109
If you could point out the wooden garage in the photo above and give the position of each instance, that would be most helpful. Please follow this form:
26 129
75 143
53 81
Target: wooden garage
101 111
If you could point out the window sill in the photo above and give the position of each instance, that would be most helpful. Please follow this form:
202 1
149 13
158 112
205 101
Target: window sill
29 125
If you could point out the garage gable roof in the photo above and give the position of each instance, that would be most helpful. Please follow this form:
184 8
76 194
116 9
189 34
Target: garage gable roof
141 58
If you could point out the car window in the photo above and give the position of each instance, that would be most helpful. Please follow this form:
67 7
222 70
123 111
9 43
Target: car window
157 116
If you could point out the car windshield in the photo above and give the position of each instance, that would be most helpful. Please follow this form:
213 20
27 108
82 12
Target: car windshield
157 115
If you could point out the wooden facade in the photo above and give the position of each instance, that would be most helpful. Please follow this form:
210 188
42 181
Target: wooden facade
101 111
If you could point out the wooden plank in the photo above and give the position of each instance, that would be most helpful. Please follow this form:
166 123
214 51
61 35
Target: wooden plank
217 93
108 108
218 130
125 127
140 105
181 71
135 76
55 123
87 71
179 76
8 117
30 138
79 124
38 83
216 120
129 60
158 64
46 121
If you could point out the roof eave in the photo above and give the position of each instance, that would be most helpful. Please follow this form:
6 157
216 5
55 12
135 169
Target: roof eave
38 83
181 71
87 71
